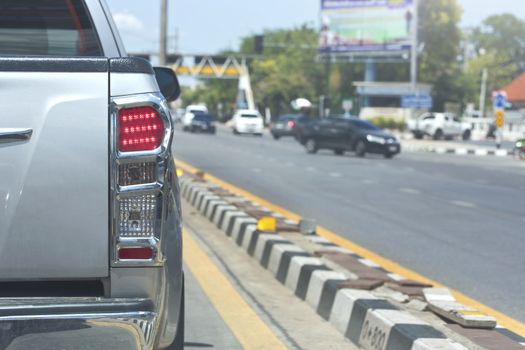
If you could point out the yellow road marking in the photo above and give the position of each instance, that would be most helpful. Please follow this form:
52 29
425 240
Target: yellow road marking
391 266
251 332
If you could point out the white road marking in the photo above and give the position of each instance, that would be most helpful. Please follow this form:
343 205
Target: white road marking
396 277
311 168
368 182
256 170
464 204
336 175
410 190
369 263
291 164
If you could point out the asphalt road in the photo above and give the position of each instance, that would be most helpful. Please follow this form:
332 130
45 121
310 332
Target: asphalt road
457 219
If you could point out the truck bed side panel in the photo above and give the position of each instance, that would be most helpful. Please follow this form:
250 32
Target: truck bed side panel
54 186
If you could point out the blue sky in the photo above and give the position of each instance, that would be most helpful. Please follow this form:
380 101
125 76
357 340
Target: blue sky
207 26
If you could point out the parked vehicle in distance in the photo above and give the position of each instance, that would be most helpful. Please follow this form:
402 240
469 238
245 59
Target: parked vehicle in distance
300 125
284 126
192 111
203 122
90 216
342 134
178 114
247 121
519 149
439 126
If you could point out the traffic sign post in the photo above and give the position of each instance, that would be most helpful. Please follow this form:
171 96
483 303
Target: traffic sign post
499 101
500 119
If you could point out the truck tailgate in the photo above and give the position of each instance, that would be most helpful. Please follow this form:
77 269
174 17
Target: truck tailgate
54 185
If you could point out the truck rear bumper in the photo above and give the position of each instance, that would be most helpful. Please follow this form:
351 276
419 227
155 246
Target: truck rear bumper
77 323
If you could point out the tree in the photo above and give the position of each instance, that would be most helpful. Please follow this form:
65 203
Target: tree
287 69
501 40
213 93
438 65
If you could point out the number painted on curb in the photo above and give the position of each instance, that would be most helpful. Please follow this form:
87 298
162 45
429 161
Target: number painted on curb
373 337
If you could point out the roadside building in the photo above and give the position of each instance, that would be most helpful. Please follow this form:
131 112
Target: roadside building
389 99
516 92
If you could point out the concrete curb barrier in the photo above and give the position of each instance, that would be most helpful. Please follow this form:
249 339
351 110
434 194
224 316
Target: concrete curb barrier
368 321
480 152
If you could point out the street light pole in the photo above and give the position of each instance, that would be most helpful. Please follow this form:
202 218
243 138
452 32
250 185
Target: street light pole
483 92
163 32
413 55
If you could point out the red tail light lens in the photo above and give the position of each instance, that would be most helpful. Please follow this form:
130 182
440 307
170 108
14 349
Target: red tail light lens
291 124
139 129
135 253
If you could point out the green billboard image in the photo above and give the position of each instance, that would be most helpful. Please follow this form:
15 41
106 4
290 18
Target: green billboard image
366 25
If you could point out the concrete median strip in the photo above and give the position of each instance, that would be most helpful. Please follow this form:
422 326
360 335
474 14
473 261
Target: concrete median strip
442 302
369 321
458 151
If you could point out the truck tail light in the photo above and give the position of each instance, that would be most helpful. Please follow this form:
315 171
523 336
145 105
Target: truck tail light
138 216
139 129
137 173
140 175
135 253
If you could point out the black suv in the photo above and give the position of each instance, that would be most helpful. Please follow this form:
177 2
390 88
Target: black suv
342 134
203 122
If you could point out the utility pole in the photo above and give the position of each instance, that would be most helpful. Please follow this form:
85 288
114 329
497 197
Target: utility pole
413 55
483 93
163 32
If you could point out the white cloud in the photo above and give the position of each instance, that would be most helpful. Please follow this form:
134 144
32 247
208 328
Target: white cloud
127 22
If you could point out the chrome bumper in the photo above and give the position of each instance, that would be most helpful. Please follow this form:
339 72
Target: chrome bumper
77 323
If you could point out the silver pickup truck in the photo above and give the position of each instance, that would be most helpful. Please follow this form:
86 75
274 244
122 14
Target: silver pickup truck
90 222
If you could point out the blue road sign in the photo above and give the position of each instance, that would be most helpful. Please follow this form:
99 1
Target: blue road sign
417 101
499 100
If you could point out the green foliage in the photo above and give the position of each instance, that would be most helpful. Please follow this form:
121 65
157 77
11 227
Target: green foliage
286 71
389 123
214 93
503 37
500 40
500 73
439 31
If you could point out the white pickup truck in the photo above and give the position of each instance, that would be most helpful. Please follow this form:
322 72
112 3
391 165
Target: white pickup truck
439 126
90 221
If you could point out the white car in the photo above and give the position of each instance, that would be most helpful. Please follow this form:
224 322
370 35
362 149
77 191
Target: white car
191 110
247 122
439 126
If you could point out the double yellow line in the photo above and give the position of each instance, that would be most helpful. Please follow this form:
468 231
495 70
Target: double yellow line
503 320
251 332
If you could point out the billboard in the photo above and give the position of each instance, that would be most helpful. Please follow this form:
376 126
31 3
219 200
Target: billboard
366 25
